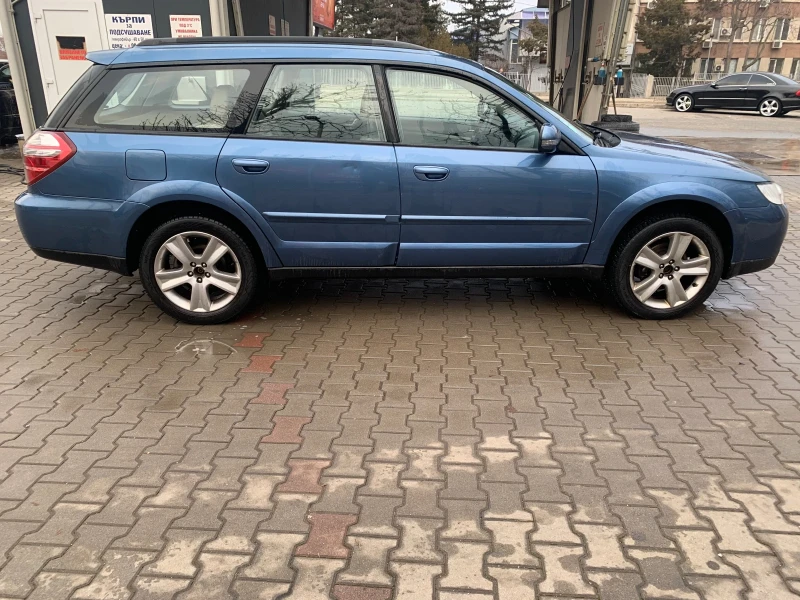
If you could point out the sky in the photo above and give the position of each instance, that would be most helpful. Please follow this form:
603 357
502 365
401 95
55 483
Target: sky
518 5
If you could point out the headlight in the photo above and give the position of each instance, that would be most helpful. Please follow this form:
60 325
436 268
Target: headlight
772 192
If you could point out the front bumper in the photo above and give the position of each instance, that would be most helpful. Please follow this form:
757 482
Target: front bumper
760 242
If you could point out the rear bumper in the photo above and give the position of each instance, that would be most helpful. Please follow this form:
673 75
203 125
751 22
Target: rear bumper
82 231
96 261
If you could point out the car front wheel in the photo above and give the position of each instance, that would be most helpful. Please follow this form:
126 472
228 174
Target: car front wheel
770 107
198 270
665 267
684 103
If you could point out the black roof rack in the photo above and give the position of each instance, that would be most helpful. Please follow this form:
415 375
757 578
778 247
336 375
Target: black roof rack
245 39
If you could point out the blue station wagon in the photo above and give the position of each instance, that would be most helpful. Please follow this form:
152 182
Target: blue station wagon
211 164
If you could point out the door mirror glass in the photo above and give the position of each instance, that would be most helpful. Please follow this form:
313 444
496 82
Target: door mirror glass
549 139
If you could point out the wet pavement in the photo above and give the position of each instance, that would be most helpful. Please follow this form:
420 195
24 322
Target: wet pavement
475 439
770 144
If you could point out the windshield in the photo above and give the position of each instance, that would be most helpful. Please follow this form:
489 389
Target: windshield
555 117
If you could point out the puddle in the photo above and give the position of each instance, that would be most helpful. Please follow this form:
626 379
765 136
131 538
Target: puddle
207 347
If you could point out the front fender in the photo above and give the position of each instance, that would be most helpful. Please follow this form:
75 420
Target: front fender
606 233
207 193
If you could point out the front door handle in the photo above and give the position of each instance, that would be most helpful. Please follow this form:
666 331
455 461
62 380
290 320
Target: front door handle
250 166
431 173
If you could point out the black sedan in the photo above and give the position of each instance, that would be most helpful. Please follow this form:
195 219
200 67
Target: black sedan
770 94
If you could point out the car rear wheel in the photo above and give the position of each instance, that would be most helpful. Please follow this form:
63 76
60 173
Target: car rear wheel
665 267
684 103
770 107
198 270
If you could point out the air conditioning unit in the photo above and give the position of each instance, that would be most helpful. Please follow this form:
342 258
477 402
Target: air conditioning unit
718 69
707 44
651 4
777 44
725 33
763 4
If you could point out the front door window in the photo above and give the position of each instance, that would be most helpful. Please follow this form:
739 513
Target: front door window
442 111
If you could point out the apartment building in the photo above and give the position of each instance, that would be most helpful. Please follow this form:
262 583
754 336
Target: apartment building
745 35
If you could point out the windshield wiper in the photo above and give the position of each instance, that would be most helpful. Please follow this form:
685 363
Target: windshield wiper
597 133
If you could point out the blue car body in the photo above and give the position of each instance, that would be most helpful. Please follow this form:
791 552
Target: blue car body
336 206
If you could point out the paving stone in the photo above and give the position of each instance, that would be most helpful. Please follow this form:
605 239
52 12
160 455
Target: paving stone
326 538
397 438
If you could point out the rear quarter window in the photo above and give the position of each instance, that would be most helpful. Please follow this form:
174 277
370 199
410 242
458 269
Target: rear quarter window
192 100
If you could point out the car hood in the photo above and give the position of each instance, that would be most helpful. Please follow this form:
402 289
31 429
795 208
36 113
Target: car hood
689 88
665 150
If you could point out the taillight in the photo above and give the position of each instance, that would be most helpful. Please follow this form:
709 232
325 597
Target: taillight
44 152
797 93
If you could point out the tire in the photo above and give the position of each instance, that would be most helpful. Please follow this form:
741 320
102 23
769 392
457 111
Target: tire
616 118
195 299
657 233
629 127
770 107
683 103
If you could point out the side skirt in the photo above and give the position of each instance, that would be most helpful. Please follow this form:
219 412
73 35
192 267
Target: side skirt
592 272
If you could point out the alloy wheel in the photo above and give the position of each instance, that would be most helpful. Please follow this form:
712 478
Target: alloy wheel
769 107
683 103
670 270
197 272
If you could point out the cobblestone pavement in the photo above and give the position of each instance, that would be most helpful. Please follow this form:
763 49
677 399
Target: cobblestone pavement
370 440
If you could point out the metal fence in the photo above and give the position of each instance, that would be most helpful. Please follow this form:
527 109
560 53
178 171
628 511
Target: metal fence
638 85
536 80
662 86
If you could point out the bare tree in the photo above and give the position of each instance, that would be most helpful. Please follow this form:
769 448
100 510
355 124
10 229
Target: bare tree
753 22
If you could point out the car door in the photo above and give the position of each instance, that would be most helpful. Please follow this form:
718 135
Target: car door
729 92
475 190
758 87
316 164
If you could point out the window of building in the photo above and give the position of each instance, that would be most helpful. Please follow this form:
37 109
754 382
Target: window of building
775 65
782 27
513 51
758 30
738 32
716 26
752 64
733 64
707 66
198 100
795 74
334 103
439 110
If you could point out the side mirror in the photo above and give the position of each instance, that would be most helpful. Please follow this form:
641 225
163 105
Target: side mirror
549 139
714 85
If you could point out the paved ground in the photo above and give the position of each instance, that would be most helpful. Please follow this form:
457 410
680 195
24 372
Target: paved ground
667 122
469 439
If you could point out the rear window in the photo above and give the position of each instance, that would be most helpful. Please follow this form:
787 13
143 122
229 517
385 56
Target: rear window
77 90
200 100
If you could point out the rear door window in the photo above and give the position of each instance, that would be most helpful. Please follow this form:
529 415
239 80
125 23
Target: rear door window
199 100
333 103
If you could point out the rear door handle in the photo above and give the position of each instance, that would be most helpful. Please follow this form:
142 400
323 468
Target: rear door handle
431 173
250 166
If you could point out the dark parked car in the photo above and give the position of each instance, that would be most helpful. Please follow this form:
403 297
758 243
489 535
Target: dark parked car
770 94
10 125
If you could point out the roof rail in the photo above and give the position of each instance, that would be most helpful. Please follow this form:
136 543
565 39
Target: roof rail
245 39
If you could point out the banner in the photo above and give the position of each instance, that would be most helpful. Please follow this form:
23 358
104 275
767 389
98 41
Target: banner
323 13
125 31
